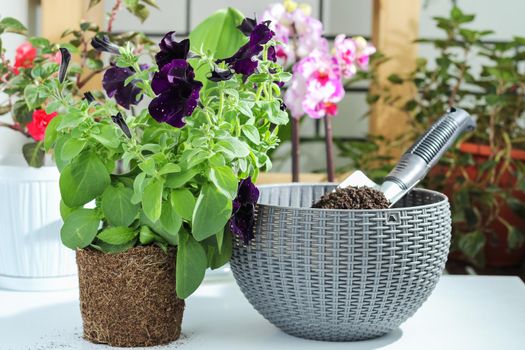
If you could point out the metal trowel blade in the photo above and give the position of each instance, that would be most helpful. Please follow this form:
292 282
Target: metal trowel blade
358 179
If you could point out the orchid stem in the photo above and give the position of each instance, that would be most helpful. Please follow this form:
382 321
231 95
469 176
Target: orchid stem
330 170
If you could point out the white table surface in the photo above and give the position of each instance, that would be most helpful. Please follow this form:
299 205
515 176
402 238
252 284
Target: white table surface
464 312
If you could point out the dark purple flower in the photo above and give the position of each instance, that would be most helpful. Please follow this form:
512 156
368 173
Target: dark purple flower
64 63
177 93
220 74
102 43
113 83
247 26
119 120
243 216
244 61
170 49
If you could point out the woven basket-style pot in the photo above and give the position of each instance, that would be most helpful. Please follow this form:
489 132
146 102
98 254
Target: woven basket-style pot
341 275
129 299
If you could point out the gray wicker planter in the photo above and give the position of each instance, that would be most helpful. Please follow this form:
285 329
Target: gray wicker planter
341 275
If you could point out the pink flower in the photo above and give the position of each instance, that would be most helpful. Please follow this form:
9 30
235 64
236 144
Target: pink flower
364 51
37 127
316 86
54 57
25 55
346 55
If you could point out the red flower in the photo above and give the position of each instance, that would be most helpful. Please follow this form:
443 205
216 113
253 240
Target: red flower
37 126
25 55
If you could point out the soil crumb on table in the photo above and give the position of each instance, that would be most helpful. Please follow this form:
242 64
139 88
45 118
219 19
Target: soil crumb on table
353 198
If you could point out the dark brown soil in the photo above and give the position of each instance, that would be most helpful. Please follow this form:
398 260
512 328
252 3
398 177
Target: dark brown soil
129 299
353 198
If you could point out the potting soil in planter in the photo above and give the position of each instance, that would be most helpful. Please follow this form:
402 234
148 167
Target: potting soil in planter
129 299
353 198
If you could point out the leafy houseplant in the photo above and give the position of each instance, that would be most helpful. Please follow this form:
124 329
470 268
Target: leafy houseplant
485 176
188 159
32 256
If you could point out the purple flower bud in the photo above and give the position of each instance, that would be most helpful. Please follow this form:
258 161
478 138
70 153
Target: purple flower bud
66 57
220 74
102 43
247 25
119 120
88 96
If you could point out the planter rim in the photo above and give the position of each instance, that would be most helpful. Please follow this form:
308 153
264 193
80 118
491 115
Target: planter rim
28 174
444 198
484 150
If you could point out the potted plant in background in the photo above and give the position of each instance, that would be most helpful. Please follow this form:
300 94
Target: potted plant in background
485 176
32 257
320 75
188 160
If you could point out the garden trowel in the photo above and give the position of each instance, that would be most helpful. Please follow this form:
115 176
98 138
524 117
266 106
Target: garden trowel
419 158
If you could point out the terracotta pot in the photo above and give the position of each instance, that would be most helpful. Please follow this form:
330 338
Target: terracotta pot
129 299
497 253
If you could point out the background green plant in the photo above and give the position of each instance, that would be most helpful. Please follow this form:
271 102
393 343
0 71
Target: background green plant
493 91
23 91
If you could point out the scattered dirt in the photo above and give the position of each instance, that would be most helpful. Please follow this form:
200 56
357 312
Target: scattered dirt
129 299
353 198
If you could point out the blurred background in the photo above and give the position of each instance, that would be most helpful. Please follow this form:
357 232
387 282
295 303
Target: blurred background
351 17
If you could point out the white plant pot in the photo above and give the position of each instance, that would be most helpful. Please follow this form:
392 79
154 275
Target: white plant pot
32 257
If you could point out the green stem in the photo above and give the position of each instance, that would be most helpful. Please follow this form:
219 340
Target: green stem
221 103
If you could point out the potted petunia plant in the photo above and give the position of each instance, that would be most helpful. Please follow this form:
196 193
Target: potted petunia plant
32 256
153 192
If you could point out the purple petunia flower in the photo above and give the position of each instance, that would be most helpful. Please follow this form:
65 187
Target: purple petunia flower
243 216
218 74
64 63
178 93
244 61
247 25
170 50
113 83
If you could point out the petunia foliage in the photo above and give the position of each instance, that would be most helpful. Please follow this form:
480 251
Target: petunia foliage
178 168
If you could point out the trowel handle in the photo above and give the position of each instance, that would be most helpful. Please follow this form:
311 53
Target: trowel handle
429 148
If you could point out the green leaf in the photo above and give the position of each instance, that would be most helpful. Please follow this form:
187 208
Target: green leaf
220 255
217 34
138 188
183 203
146 236
12 25
177 180
83 180
212 211
117 235
117 206
395 79
21 112
34 154
169 169
51 133
152 199
515 238
112 248
225 180
93 3
171 222
472 243
107 136
80 228
72 148
65 211
251 132
32 97
232 147
191 265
